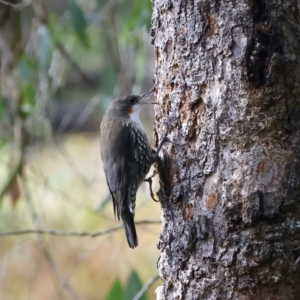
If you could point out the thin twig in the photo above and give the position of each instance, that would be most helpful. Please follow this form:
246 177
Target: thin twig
86 112
68 290
37 175
15 171
75 233
17 6
70 161
145 288
85 78
11 4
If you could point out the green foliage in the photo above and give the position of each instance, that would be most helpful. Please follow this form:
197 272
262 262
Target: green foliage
79 22
3 141
116 292
4 127
135 15
101 2
43 47
58 31
27 100
2 106
109 80
140 15
65 54
95 46
133 286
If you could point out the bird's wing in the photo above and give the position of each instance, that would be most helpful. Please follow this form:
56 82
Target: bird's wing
117 156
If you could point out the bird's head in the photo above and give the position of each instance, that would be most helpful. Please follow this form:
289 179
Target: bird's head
127 105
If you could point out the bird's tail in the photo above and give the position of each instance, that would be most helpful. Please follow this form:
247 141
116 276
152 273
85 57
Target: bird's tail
130 231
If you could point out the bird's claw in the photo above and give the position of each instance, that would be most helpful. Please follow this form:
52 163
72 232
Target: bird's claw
149 180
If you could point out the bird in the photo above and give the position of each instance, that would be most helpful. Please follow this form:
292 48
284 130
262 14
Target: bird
126 156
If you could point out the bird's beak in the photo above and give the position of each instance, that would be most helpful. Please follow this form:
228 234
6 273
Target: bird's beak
146 98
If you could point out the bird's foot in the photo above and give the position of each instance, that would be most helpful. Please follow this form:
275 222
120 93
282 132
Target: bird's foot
149 180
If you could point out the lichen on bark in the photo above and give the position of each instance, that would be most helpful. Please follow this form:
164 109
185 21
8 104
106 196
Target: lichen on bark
227 78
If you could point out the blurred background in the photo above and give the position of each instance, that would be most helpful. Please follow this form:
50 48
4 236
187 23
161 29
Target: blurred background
62 63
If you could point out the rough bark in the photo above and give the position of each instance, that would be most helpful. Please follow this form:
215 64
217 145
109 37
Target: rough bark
228 79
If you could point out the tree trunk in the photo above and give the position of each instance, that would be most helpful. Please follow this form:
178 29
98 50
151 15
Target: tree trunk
228 80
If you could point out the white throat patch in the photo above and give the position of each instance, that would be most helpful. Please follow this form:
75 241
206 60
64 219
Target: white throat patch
135 115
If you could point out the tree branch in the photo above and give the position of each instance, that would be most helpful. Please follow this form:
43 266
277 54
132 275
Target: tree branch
145 288
19 5
85 78
65 286
14 172
75 233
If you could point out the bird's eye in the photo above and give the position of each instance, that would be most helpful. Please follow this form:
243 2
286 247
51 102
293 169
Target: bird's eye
132 101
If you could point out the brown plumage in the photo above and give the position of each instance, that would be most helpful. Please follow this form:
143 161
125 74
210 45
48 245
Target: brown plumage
126 156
